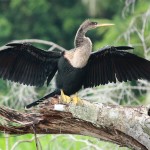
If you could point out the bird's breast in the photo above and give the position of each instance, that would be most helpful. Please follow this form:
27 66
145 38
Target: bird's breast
69 78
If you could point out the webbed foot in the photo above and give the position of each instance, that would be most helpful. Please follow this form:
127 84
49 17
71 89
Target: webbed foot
76 100
65 98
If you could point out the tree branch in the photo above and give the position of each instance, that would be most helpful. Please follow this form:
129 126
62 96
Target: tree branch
126 126
54 45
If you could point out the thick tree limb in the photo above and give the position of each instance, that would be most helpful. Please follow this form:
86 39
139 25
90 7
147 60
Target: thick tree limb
126 126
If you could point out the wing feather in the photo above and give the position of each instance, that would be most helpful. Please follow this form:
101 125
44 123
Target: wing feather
111 63
27 64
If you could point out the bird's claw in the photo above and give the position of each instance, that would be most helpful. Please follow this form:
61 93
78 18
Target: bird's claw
73 99
64 98
76 100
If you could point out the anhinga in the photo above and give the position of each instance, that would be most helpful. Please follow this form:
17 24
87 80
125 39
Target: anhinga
79 67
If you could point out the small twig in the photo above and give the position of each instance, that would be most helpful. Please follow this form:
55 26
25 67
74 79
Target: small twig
54 45
6 141
40 42
22 141
35 137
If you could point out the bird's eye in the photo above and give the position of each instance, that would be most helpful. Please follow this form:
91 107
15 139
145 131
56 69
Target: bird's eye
94 23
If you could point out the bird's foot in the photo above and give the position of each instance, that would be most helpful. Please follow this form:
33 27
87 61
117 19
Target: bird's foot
76 100
65 98
73 99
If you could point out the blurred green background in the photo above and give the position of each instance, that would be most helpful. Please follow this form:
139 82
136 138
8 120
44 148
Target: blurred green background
58 21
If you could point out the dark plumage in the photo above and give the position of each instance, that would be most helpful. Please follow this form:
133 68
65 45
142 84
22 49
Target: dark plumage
27 64
79 67
111 63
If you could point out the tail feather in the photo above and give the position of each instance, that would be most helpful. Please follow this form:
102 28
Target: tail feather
56 92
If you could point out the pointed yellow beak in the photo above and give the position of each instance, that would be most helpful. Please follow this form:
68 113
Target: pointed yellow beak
105 24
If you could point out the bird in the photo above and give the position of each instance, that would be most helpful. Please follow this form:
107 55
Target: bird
75 69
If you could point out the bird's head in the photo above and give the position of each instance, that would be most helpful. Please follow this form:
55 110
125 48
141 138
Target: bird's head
88 25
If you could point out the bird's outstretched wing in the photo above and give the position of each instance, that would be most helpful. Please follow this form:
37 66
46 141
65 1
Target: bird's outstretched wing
27 64
110 63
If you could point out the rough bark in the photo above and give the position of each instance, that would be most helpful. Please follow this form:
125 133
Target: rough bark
126 126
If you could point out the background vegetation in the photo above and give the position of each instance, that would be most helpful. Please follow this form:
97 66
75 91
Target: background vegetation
58 21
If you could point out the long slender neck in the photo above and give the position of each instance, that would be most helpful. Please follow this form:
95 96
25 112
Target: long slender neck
79 56
79 38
